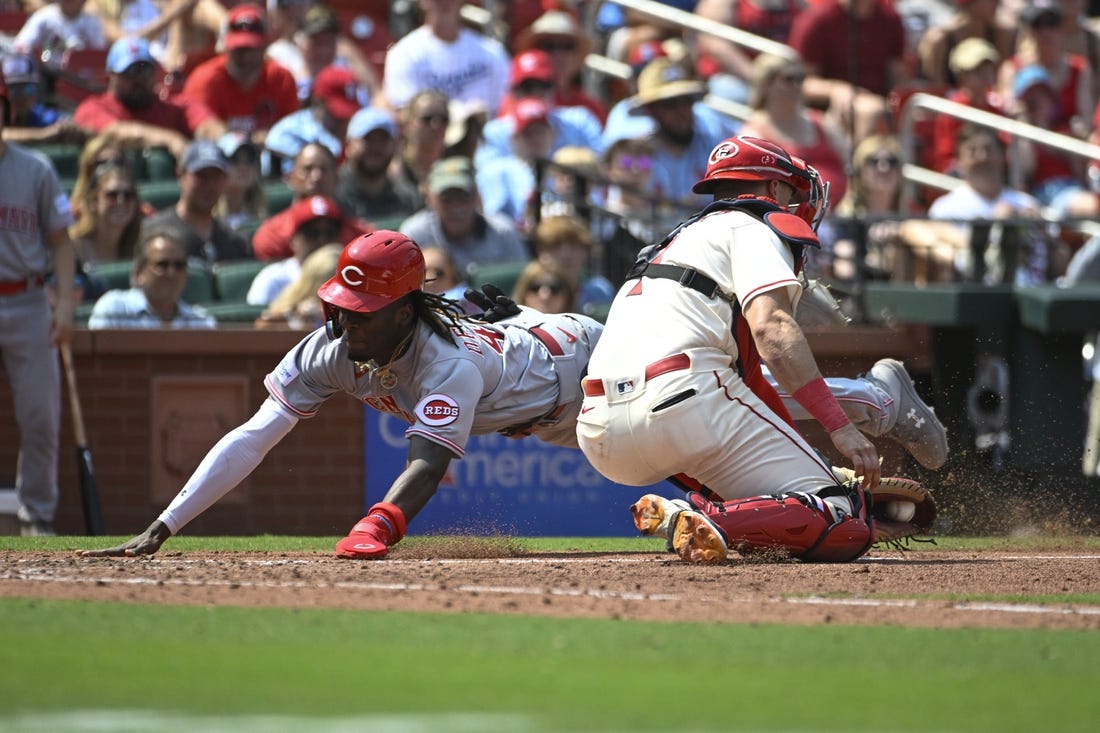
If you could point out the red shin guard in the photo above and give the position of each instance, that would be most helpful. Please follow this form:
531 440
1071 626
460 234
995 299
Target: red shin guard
800 524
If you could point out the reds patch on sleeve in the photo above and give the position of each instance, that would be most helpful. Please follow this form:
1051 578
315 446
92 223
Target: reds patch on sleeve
437 410
286 374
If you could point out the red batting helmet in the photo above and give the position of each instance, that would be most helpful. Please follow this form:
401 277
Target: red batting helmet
756 159
374 270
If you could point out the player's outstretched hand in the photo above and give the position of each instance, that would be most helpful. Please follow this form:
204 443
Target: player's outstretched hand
146 543
854 446
496 305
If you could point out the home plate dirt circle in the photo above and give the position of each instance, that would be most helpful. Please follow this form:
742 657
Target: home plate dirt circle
911 588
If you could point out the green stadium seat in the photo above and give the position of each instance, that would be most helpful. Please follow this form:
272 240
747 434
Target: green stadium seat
200 285
160 194
158 165
234 313
278 196
64 156
115 275
232 279
503 275
82 313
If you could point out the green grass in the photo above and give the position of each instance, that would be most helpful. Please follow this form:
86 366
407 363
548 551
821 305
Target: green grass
69 666
527 674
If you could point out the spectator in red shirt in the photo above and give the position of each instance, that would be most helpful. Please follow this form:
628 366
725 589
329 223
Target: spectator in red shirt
974 65
824 36
314 174
247 91
557 33
137 116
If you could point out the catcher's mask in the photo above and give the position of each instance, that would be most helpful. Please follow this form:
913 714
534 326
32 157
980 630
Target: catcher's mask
374 270
743 158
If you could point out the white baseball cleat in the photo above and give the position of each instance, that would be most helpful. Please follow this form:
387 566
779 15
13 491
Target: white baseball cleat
916 427
690 534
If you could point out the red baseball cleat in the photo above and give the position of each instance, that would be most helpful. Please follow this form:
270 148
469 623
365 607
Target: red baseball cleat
367 541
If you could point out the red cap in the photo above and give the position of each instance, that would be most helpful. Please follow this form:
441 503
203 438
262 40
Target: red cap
306 210
531 65
527 112
245 28
338 89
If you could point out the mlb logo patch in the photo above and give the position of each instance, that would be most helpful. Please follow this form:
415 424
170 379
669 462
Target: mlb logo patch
624 387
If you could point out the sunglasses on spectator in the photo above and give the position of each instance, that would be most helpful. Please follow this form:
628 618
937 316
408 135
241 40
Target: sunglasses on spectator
636 162
563 46
162 267
555 288
883 161
120 194
434 118
247 26
139 69
533 86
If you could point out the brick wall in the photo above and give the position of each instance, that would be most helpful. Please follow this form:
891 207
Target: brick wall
310 484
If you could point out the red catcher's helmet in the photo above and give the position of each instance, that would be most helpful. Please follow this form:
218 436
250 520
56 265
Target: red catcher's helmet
374 270
756 159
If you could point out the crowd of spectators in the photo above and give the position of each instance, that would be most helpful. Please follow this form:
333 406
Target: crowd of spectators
493 146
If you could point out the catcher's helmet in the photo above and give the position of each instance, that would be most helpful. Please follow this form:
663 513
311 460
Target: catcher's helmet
743 158
374 270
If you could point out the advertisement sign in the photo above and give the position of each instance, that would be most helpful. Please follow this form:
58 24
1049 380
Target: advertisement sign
504 486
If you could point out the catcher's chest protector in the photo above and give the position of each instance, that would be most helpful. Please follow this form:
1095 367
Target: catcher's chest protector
801 524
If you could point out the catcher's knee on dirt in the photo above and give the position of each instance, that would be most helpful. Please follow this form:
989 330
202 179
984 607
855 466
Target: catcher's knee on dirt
803 525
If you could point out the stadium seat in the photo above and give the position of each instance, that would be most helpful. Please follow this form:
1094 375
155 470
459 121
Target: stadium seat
115 275
160 194
158 164
81 314
503 275
232 279
64 156
234 313
278 196
200 285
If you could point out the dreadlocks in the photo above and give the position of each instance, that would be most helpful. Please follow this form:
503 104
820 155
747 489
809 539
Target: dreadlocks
441 314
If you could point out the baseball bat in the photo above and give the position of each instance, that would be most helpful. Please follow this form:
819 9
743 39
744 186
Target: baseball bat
89 488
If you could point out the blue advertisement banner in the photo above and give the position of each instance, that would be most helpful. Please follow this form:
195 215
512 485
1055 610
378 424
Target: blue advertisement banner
504 486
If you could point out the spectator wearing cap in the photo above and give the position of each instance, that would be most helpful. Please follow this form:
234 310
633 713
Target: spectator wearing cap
507 183
825 36
336 96
246 91
557 33
977 19
135 113
202 177
367 188
316 221
310 39
727 67
314 174
445 55
1042 44
60 26
1050 174
31 121
973 64
532 77
242 205
683 132
453 220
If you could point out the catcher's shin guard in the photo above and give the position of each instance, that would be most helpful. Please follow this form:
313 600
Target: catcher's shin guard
371 537
803 525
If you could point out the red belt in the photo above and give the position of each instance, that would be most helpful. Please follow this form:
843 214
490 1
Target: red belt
18 286
674 363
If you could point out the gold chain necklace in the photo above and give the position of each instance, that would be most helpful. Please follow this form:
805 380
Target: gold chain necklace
386 378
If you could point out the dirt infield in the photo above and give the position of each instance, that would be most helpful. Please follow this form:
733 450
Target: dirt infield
887 587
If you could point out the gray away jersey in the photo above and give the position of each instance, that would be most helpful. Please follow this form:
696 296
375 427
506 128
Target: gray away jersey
494 377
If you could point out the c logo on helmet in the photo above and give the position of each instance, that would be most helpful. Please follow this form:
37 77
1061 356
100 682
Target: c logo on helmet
723 150
346 275
767 159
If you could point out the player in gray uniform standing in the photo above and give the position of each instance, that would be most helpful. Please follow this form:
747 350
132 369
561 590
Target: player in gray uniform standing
34 221
407 352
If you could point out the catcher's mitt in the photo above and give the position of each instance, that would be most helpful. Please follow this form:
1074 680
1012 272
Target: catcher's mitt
891 501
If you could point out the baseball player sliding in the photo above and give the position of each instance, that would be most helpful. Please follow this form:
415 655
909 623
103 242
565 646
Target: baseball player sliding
717 297
403 351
